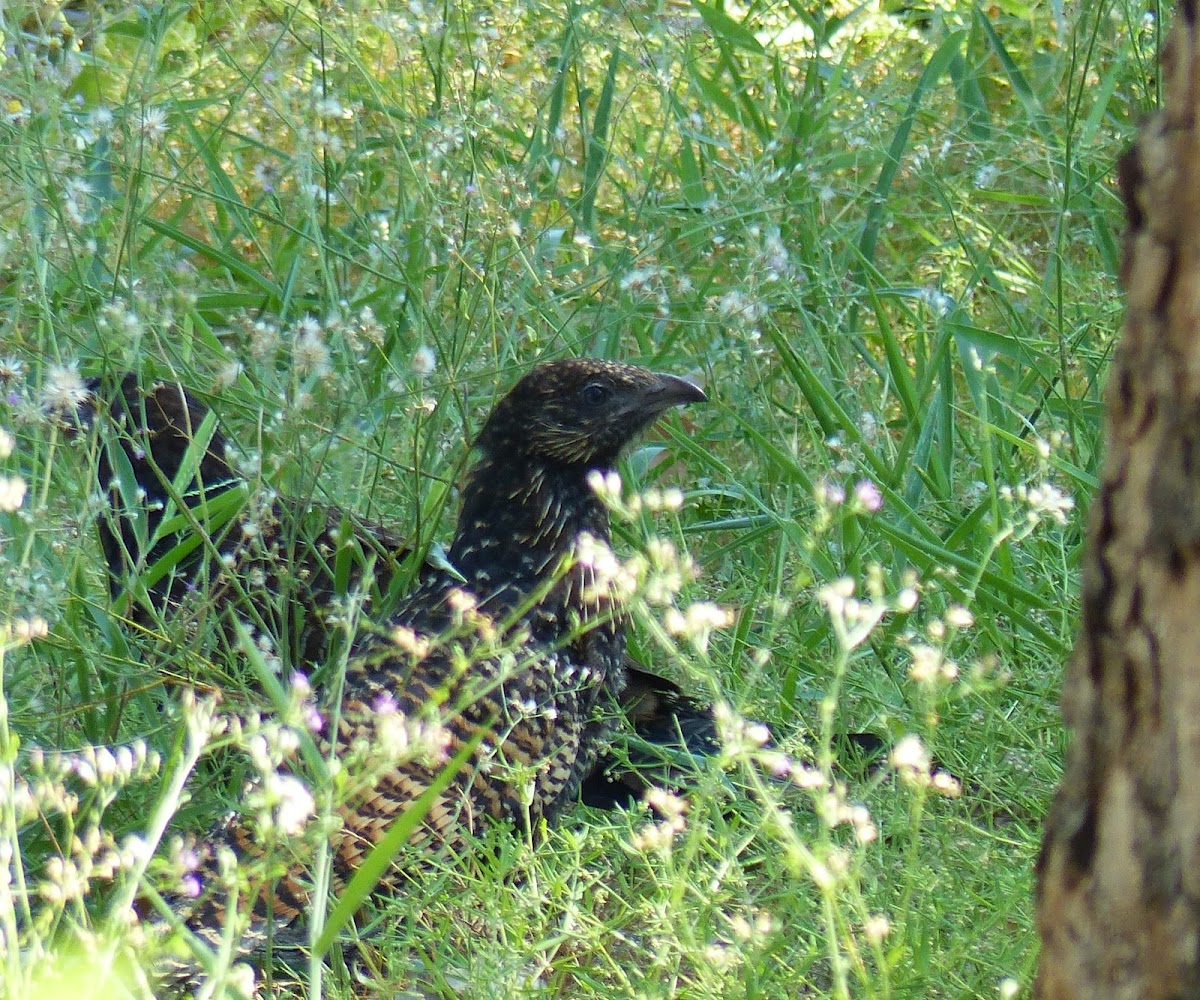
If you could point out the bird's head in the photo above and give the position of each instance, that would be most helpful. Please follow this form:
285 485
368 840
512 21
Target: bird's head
580 412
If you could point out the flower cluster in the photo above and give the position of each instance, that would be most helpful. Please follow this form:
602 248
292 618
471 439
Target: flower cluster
654 284
93 856
1044 500
656 576
12 488
855 618
402 738
914 765
659 836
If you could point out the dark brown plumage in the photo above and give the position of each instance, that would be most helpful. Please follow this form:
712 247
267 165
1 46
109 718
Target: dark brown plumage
520 651
521 551
280 565
298 559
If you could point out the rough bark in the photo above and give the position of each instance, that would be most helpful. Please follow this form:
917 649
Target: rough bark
1119 874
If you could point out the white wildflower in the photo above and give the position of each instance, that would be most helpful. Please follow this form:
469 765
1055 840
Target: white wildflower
64 391
607 486
12 493
1047 499
293 803
876 928
959 617
153 124
424 361
986 176
12 370
911 759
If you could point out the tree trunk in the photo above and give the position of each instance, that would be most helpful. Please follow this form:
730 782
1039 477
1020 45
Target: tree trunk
1119 874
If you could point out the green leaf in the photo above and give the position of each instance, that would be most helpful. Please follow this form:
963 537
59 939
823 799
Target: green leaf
938 63
597 147
727 29
212 513
1017 78
223 258
187 473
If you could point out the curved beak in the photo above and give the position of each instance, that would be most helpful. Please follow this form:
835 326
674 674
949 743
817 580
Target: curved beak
671 390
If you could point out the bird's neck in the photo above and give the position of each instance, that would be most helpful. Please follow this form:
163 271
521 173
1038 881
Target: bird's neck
518 528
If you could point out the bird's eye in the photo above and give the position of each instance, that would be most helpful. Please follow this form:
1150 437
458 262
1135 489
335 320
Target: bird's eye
594 394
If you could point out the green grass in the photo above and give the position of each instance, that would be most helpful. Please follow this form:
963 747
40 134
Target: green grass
888 242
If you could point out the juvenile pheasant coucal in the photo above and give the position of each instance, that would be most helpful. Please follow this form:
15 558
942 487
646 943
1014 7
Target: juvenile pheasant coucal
277 563
281 565
519 648
524 551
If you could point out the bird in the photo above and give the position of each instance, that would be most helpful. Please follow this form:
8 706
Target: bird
159 460
516 647
278 560
524 550
668 740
